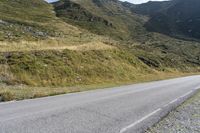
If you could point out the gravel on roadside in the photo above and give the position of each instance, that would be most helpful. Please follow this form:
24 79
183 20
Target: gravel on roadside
184 119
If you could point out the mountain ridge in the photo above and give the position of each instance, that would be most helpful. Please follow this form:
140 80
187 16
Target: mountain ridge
179 19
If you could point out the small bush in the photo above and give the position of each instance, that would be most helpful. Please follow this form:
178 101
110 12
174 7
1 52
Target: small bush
6 96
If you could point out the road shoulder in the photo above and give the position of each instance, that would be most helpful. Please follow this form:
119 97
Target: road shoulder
184 119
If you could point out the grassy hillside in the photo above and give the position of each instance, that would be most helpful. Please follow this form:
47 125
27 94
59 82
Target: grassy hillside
67 68
67 57
126 22
164 51
102 17
53 49
31 21
25 19
33 25
44 73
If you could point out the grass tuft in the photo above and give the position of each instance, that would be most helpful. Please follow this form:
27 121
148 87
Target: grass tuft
6 96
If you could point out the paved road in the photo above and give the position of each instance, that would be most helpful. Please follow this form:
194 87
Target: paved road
113 110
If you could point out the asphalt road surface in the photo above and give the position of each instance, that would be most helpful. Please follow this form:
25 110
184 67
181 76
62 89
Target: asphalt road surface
125 109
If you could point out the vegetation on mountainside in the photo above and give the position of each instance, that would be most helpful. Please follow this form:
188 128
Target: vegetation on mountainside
74 13
21 18
33 25
108 18
165 50
31 20
84 43
177 18
180 19
169 52
150 8
68 68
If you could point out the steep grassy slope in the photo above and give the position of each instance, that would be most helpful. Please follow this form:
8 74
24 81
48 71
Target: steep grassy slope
15 23
167 18
67 68
33 43
105 17
75 13
162 51
33 25
84 42
31 20
46 73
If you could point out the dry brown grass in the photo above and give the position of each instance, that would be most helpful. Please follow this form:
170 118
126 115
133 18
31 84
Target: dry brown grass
25 92
91 46
89 42
5 74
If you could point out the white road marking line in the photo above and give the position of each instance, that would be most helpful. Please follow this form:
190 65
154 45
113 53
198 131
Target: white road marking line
154 112
186 94
96 100
175 100
166 105
139 121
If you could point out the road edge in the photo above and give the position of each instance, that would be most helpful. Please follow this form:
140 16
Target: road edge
157 115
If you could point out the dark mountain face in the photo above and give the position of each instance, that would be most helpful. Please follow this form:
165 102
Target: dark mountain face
181 18
149 8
